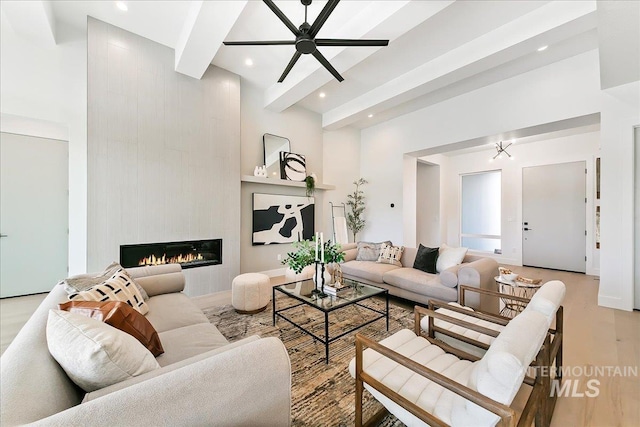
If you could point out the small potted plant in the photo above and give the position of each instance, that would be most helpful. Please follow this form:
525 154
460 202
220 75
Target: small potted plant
310 185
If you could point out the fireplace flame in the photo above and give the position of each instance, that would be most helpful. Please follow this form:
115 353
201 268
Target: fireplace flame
180 259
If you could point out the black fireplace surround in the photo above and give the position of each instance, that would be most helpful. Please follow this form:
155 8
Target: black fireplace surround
189 254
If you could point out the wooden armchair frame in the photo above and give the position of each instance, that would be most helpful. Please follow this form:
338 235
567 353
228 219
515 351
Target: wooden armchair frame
556 333
540 404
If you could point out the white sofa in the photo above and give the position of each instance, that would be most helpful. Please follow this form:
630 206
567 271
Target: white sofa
416 285
203 379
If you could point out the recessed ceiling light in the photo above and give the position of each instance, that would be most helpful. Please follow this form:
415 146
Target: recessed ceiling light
541 48
122 6
322 94
248 62
370 115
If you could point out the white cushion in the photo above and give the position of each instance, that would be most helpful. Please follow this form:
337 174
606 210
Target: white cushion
83 282
119 287
391 254
469 333
424 393
449 257
448 278
548 298
499 374
94 354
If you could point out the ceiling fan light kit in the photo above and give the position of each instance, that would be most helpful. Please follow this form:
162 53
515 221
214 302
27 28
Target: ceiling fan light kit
305 38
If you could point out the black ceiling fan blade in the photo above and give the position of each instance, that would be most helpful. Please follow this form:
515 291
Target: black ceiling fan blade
351 42
275 9
320 57
322 18
259 43
293 61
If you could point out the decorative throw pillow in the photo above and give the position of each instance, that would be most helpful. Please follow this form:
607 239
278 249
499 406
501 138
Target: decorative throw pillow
426 259
391 254
119 287
449 257
93 354
368 251
84 282
121 316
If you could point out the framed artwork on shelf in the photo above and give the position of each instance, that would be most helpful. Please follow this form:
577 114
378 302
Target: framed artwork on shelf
282 219
292 166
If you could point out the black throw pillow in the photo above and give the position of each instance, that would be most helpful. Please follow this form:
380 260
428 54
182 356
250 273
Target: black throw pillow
426 259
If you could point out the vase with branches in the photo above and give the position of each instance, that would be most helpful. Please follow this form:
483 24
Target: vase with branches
355 202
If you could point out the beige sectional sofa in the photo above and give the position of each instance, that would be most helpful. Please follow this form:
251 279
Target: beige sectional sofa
418 286
202 379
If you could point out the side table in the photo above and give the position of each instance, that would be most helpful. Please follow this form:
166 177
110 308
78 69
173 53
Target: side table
518 289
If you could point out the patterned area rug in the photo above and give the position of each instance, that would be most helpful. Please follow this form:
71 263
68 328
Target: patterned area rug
322 394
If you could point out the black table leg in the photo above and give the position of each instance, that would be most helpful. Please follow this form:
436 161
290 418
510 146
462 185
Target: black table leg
326 336
273 302
387 298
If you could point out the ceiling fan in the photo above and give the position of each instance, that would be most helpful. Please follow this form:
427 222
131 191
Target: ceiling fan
306 41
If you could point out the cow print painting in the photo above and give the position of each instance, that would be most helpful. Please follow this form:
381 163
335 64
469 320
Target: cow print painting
282 219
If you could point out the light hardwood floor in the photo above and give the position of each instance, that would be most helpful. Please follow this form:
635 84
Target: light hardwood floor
595 337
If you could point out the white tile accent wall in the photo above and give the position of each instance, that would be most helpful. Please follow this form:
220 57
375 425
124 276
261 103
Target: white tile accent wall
163 154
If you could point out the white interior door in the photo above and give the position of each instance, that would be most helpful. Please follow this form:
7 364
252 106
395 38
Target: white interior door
554 216
33 214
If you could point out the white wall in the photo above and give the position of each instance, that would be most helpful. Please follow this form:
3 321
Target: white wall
580 147
563 90
620 113
304 129
341 156
164 154
49 83
559 91
428 205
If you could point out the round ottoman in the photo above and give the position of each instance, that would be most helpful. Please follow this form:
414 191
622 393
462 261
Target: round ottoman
250 293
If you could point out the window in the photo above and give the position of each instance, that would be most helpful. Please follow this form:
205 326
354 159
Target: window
480 214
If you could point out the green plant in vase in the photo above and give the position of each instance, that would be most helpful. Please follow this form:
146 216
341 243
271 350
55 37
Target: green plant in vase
310 185
302 256
333 253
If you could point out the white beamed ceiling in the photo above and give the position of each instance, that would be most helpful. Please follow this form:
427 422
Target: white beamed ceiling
437 50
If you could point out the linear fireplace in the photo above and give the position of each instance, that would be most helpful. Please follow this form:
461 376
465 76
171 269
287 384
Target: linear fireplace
189 254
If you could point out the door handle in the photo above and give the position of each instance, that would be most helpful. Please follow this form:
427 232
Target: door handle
3 235
527 229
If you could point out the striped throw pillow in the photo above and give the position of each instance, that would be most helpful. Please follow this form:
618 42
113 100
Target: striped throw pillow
118 287
391 254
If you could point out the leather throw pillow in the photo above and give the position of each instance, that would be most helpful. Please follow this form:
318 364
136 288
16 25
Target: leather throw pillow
121 316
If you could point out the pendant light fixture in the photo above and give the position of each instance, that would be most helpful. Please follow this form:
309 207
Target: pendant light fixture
500 148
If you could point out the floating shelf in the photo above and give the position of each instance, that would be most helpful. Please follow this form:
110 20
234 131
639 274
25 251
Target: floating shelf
284 182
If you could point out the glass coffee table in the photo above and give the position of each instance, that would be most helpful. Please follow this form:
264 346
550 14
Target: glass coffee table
355 294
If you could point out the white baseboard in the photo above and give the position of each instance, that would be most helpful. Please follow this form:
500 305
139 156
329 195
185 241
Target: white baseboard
613 302
274 273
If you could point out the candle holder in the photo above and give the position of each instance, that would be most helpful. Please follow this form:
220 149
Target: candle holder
319 292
